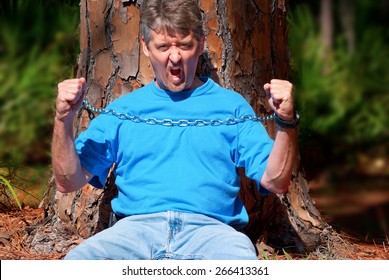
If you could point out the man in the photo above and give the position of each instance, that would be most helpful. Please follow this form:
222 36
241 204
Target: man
177 186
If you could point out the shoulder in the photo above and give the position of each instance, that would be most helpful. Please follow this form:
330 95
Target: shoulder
228 97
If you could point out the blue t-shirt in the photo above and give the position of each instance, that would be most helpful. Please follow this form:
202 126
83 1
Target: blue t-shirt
188 169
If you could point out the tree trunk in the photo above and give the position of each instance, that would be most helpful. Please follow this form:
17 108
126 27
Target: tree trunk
347 18
326 26
246 46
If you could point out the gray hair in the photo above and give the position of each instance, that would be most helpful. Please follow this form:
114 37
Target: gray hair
171 16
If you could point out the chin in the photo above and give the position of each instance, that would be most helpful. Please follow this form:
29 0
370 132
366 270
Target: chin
175 88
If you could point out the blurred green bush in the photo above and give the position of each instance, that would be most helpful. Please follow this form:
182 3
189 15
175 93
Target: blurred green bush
342 94
38 45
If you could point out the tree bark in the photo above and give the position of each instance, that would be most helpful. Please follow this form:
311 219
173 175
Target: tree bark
246 46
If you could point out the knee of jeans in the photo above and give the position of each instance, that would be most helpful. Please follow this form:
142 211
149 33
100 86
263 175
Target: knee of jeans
236 246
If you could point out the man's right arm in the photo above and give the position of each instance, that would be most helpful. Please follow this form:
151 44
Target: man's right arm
68 172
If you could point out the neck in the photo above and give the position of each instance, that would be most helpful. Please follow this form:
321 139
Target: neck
196 83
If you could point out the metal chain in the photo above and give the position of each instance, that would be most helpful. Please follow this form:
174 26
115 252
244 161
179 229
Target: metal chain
180 123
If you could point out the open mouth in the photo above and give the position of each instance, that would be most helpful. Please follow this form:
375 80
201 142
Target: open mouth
175 74
175 71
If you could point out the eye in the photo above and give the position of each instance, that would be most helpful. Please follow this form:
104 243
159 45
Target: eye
185 46
163 48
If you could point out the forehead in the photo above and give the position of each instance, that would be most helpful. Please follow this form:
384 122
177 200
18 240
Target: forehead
162 35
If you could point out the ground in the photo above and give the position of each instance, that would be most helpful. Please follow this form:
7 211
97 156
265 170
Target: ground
356 207
14 229
16 225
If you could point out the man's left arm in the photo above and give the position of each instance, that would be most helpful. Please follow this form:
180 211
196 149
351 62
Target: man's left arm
282 158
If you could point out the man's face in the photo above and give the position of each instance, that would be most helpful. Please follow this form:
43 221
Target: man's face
174 59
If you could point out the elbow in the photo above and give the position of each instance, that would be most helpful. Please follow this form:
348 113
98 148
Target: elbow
71 181
66 187
61 188
281 189
275 186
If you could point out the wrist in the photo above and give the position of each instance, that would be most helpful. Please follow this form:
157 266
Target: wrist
66 118
286 123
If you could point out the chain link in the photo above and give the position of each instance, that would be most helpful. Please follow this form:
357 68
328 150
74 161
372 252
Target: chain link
170 122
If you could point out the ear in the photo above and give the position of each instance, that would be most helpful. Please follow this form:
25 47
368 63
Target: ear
144 47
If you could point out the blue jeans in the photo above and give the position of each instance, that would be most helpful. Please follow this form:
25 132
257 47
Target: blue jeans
164 236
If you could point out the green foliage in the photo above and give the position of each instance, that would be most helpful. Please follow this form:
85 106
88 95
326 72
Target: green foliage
342 95
22 185
6 183
38 44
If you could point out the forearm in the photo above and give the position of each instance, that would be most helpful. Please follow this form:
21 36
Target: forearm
281 161
68 172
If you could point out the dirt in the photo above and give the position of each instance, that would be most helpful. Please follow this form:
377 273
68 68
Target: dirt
15 227
357 208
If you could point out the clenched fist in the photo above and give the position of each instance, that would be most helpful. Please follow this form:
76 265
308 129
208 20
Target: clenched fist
69 98
280 97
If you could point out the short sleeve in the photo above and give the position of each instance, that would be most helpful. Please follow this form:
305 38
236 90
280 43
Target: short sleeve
253 149
97 147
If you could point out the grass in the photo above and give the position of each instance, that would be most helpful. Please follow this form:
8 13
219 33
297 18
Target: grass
11 189
28 185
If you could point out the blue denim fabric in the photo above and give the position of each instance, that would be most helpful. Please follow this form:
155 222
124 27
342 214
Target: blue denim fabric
164 236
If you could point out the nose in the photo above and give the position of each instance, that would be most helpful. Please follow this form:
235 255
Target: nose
175 55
